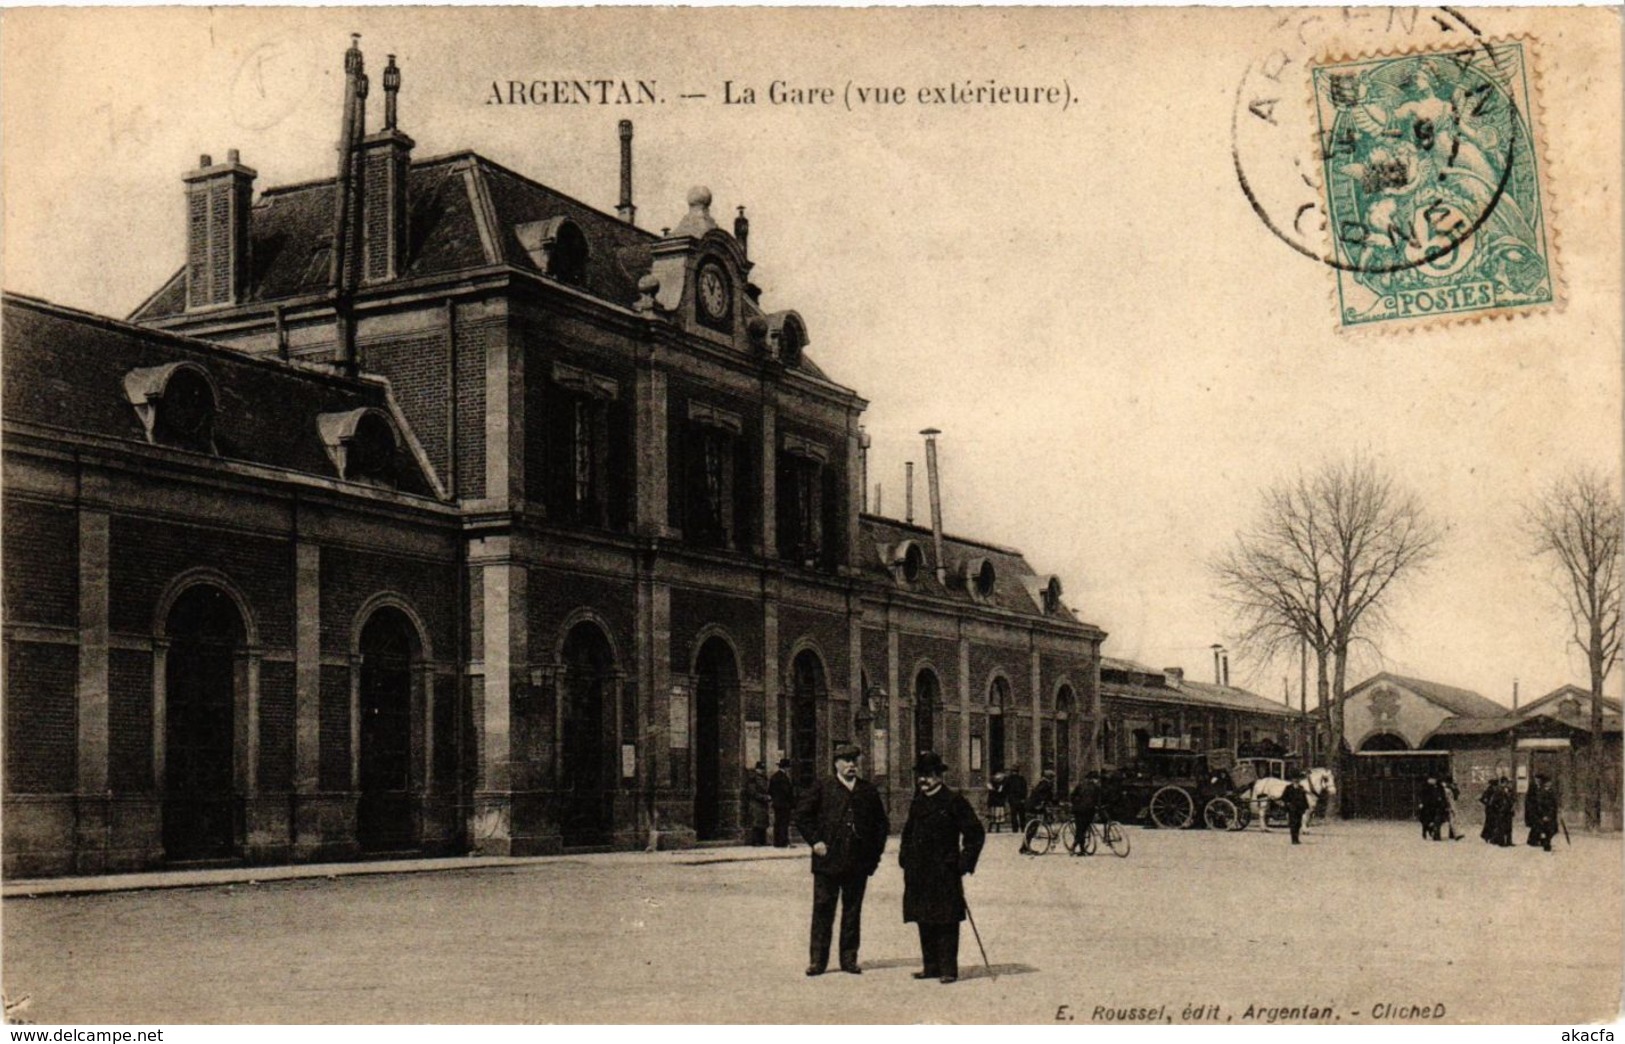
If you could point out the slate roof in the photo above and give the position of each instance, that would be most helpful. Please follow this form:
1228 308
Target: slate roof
1016 587
1546 704
1503 722
65 369
1227 697
456 204
1462 702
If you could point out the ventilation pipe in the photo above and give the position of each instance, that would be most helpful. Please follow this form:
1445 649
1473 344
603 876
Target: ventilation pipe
933 480
1226 660
347 208
1218 676
908 492
627 212
863 450
1514 694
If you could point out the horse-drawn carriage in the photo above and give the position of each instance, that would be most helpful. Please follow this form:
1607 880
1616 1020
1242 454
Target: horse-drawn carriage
1175 789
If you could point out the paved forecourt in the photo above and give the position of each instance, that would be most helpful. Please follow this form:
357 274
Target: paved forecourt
1364 922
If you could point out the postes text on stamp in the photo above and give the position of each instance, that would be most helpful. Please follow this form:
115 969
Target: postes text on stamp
1432 184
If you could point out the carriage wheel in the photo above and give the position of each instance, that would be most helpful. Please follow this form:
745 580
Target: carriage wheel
1221 814
1172 808
1116 837
1038 839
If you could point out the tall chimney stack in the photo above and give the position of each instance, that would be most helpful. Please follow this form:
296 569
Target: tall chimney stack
627 212
218 200
385 161
908 492
933 479
347 203
880 498
1514 694
1226 660
1218 678
863 450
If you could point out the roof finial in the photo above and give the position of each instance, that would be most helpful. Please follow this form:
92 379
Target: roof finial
392 84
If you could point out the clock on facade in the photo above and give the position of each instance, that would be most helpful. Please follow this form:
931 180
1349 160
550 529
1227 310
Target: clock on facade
715 297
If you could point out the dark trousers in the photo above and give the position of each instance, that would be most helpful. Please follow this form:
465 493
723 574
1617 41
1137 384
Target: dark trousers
827 889
781 826
1018 817
939 949
1081 818
758 835
1294 822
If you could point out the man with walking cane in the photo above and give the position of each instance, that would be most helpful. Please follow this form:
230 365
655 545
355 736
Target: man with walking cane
941 842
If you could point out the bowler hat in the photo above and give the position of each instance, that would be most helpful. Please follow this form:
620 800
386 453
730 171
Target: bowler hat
929 763
846 752
784 763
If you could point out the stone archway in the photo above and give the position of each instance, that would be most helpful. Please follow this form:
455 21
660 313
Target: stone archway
716 746
202 676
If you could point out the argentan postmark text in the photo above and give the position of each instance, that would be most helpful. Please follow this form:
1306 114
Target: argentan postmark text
1430 169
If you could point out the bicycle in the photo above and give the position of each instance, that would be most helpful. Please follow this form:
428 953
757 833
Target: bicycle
1101 828
1042 831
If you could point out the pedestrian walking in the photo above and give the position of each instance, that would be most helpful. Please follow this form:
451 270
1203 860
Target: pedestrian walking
781 793
1540 812
995 802
1085 798
1449 794
1505 809
844 821
1015 796
1430 807
1296 799
942 841
756 803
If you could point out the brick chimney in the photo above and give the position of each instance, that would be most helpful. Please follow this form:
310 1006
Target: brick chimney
386 157
218 197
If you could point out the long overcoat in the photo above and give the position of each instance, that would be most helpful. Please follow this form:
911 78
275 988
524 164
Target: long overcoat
852 824
756 799
942 839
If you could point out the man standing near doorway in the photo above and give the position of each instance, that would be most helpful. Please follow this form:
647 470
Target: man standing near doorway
781 792
845 822
1015 795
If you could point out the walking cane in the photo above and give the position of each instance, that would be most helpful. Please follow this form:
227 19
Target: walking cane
1564 824
985 962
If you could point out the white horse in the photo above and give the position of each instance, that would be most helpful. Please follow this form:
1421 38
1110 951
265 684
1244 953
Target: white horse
1317 781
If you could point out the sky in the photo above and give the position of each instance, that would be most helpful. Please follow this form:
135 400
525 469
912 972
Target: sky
1119 353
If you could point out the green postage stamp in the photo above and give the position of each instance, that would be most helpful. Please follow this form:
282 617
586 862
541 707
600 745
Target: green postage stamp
1433 185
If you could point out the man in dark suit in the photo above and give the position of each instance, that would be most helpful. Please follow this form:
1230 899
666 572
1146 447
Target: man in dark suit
781 792
845 822
941 842
1296 799
1015 795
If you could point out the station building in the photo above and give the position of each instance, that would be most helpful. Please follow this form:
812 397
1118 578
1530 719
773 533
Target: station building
1143 708
427 509
1400 730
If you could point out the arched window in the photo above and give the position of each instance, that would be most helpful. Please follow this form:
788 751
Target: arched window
927 694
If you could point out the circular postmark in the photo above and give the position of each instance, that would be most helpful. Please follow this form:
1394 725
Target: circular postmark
1374 170
275 78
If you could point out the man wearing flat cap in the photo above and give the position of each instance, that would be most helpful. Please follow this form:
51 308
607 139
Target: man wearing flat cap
941 842
845 822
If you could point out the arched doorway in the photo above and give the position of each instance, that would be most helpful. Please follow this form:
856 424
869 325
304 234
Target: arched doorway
807 694
927 693
998 699
206 634
1063 738
587 809
384 807
716 699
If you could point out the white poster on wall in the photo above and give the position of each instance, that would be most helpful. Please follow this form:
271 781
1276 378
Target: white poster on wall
753 742
878 763
679 719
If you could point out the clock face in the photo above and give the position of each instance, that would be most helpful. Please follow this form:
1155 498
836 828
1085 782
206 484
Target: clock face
713 292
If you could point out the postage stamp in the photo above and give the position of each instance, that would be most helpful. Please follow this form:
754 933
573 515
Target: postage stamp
1433 187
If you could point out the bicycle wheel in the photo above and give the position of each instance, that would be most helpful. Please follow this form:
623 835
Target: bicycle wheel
1038 839
1091 840
1116 838
1069 837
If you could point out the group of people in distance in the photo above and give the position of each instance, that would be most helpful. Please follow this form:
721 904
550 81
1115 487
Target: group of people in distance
1436 808
844 820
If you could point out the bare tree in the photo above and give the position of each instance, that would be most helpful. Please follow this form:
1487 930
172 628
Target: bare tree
1576 524
1320 563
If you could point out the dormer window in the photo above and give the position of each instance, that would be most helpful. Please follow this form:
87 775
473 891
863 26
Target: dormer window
361 444
176 404
908 562
557 246
1052 596
980 578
